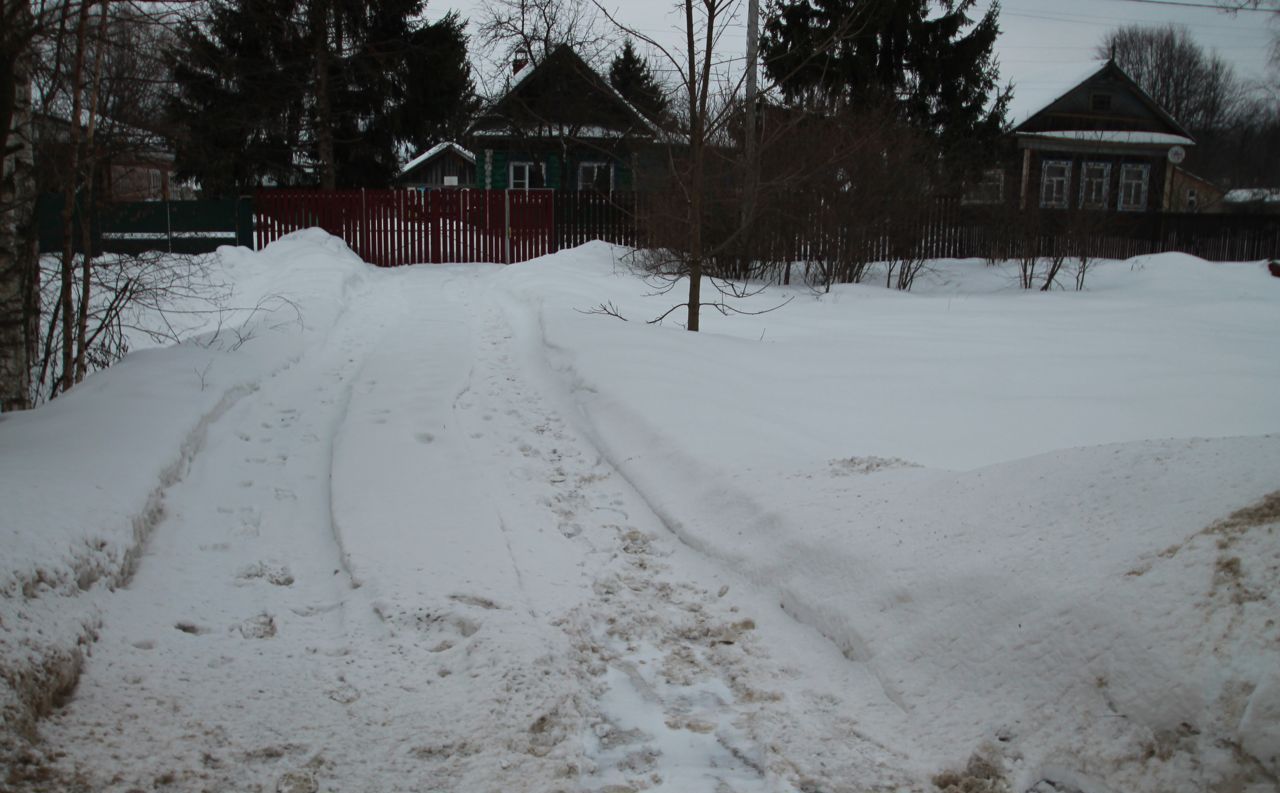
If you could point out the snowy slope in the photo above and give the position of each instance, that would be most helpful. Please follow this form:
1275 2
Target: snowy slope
84 478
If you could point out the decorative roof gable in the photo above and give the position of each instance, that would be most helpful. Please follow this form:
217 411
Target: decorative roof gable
1106 100
561 96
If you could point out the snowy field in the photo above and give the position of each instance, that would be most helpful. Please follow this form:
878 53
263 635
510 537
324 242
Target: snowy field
439 528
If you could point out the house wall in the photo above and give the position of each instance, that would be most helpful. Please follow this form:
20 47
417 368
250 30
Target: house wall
557 175
1156 162
137 182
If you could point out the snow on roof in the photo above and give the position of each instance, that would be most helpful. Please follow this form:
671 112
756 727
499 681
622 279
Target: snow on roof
555 131
1041 85
1249 195
1113 136
433 151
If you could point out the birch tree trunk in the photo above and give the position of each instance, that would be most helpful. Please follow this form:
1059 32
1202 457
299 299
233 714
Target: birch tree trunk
19 270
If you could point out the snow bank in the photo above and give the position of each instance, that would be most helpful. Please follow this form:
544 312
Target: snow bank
1069 600
83 478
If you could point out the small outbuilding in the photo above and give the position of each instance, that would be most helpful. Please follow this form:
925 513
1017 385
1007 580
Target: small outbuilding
446 164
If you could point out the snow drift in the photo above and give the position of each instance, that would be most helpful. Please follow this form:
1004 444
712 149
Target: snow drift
1070 606
83 478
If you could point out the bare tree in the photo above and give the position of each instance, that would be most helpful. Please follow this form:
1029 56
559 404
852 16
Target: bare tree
1198 88
530 30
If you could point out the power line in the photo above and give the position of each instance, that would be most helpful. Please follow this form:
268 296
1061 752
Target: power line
1214 6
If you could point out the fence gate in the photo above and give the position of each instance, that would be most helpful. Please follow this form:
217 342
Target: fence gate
394 227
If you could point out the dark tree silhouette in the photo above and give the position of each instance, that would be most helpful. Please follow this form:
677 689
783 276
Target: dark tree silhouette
328 92
927 58
631 76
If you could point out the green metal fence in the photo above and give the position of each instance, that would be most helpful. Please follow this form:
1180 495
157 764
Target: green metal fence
132 227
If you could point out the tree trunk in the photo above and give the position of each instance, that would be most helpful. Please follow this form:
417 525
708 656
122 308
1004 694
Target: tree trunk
66 377
324 102
86 256
19 262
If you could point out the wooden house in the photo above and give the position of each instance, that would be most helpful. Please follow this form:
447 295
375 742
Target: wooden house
130 164
1096 141
559 125
444 165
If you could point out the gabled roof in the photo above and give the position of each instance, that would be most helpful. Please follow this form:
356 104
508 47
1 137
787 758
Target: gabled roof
436 151
1045 94
562 92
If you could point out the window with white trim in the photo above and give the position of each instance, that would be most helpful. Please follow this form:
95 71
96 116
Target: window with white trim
525 175
1095 185
1055 183
596 176
1134 180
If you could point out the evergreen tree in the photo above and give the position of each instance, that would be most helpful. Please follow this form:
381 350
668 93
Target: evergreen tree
927 59
329 92
630 76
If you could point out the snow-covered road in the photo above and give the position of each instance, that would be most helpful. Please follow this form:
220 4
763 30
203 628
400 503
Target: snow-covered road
400 564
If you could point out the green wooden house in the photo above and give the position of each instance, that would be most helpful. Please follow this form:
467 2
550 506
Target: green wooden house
560 125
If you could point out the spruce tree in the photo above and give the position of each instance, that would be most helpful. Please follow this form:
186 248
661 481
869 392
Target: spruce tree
630 76
328 92
926 59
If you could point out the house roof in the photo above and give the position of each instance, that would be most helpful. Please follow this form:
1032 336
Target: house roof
543 84
436 151
1039 86
1044 90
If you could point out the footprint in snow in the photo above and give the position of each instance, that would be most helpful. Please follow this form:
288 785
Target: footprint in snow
277 575
262 626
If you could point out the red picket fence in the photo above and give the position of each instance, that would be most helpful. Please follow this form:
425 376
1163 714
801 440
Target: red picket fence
394 227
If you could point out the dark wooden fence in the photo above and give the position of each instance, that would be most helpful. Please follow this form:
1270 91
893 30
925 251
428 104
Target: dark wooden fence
391 227
946 228
395 227
136 226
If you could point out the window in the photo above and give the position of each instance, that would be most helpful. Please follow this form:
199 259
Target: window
1095 185
1100 103
526 175
596 176
1193 199
1055 182
1133 187
990 190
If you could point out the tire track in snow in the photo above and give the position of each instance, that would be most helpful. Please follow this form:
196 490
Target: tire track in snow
793 734
243 566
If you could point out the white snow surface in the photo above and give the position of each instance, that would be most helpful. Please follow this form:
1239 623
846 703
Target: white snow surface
443 528
1114 136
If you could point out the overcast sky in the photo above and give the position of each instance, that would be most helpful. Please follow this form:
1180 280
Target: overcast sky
1036 34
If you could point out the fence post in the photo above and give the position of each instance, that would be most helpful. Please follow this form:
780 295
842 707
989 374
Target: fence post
244 221
506 256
